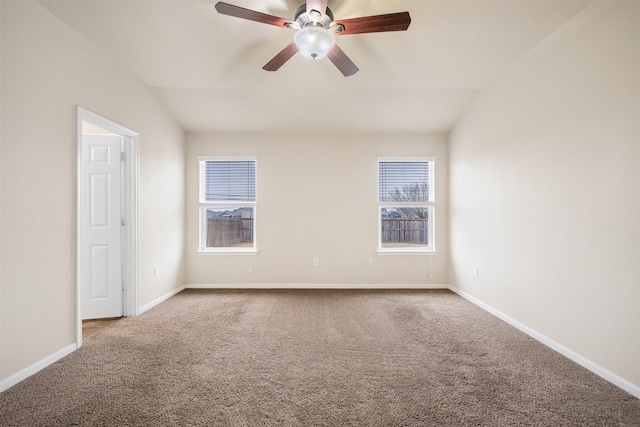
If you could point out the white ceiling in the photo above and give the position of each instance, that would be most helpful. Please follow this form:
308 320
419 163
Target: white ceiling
207 67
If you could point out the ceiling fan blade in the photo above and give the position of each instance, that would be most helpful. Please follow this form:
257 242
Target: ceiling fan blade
342 61
319 5
375 24
282 57
251 15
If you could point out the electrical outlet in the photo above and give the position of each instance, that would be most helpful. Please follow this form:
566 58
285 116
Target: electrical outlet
475 272
316 261
156 271
370 261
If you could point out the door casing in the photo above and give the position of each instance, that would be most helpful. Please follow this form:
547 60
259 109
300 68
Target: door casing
129 214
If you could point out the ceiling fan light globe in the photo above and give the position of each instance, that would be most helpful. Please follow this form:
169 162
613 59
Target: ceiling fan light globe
314 42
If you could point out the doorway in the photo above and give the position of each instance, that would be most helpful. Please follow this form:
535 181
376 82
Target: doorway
106 254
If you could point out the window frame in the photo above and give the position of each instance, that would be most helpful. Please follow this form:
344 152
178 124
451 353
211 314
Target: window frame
203 205
430 247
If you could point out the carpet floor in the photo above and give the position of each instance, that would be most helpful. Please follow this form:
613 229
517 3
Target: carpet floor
315 358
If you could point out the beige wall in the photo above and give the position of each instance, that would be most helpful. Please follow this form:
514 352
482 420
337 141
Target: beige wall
545 190
317 197
47 69
545 197
1 206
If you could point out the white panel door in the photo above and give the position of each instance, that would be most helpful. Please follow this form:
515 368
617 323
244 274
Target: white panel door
101 207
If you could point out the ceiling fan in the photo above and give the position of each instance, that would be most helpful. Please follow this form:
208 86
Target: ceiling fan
316 30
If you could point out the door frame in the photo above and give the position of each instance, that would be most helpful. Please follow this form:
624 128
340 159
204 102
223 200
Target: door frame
130 140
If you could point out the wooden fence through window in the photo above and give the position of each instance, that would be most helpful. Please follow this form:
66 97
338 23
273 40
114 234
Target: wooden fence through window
400 230
226 232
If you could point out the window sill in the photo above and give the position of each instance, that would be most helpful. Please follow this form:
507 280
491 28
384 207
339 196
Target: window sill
407 252
250 251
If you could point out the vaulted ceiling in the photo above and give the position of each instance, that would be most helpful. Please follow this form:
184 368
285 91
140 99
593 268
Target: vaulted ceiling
207 68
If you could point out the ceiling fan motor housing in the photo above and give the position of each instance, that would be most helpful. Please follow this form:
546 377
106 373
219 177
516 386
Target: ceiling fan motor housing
302 17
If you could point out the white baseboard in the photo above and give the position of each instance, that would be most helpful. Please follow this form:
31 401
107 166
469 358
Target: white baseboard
580 360
30 370
158 300
315 286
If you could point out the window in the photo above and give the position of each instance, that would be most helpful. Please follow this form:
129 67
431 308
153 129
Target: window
227 204
405 205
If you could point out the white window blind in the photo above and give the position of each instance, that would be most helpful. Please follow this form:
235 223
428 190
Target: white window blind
228 181
403 181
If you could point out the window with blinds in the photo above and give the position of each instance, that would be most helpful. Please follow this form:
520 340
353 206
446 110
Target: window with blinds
405 204
227 204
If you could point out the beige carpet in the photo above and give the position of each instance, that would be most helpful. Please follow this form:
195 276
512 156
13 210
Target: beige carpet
315 358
